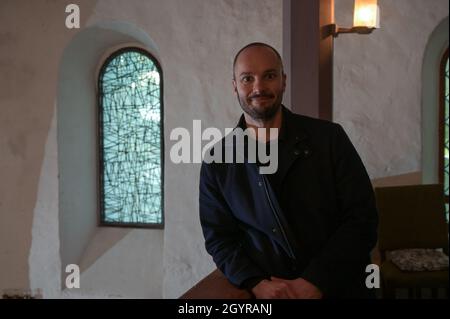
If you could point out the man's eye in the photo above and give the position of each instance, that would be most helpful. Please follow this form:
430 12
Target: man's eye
246 79
271 76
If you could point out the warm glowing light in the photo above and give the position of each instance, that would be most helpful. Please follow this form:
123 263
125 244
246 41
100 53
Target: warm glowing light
366 14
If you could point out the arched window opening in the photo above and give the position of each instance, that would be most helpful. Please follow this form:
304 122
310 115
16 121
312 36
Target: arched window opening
131 140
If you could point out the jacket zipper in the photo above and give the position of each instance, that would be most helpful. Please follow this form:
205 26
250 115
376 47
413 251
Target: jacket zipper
275 213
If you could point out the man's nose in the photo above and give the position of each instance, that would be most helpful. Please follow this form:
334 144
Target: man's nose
259 86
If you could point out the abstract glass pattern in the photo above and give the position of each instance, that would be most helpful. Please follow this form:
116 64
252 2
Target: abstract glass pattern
130 114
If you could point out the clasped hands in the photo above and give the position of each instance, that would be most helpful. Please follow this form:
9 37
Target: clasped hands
277 288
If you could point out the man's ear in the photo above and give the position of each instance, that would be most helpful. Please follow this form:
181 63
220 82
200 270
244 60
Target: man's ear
284 81
234 86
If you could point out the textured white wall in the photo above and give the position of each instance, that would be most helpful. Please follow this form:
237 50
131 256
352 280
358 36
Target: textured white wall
44 259
377 89
29 66
437 44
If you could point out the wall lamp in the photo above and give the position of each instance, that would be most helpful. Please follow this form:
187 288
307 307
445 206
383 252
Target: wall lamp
366 18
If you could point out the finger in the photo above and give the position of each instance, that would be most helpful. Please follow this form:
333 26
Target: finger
280 294
273 278
283 291
291 293
287 294
288 290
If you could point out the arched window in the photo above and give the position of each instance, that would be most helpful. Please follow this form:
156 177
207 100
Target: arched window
443 129
131 140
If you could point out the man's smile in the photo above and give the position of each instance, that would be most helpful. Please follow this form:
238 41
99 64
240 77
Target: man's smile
261 98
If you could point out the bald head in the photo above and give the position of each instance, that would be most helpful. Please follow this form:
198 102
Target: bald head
259 45
259 81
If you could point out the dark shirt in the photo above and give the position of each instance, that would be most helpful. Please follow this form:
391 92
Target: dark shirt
276 183
281 190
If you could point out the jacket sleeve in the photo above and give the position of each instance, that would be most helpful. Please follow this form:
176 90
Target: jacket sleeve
346 254
223 237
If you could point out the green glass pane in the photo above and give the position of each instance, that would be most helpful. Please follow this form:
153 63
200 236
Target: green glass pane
446 213
131 136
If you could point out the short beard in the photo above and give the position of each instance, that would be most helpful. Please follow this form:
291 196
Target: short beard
265 113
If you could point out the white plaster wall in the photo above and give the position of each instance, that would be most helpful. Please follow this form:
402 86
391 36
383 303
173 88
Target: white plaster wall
197 40
132 268
436 46
377 89
44 258
27 102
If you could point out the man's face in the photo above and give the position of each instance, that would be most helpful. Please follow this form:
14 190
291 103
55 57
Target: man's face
259 82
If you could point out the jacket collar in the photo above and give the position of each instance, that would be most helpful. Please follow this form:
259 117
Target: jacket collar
294 139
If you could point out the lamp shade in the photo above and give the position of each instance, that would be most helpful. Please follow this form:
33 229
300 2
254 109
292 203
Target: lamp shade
366 14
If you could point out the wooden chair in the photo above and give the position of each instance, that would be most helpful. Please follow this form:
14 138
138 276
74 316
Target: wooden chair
411 217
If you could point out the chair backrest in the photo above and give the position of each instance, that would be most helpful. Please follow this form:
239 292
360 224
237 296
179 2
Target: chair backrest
411 217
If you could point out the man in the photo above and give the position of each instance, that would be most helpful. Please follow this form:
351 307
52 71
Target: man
305 231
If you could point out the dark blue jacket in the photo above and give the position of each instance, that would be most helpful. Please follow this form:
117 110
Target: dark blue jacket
324 183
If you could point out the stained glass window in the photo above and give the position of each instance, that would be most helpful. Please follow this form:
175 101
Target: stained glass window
445 140
131 145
